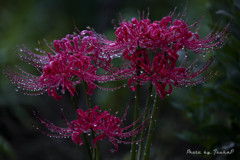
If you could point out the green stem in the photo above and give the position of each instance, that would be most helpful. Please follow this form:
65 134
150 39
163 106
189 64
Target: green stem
74 100
86 96
136 109
147 105
151 127
84 137
96 153
87 146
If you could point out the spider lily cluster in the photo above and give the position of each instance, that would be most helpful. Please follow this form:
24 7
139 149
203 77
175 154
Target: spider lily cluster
102 123
150 52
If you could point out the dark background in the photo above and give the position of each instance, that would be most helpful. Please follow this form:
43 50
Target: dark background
204 117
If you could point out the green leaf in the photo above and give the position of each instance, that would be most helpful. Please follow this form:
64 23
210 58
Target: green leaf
189 136
237 3
234 76
223 12
216 130
5 149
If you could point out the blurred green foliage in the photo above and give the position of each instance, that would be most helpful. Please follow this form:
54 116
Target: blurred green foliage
207 118
214 107
5 149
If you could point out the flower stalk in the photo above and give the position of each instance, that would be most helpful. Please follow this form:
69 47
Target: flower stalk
74 101
89 152
88 101
96 153
147 105
84 137
136 110
151 128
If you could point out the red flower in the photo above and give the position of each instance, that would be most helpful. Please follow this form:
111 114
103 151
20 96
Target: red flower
169 33
161 41
62 70
165 74
102 123
72 59
67 70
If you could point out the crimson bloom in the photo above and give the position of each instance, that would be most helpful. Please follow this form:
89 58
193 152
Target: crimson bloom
168 35
163 41
102 123
70 61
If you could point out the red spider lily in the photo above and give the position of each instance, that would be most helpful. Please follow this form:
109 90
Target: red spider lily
63 70
102 123
162 40
165 74
67 71
89 43
169 33
72 60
